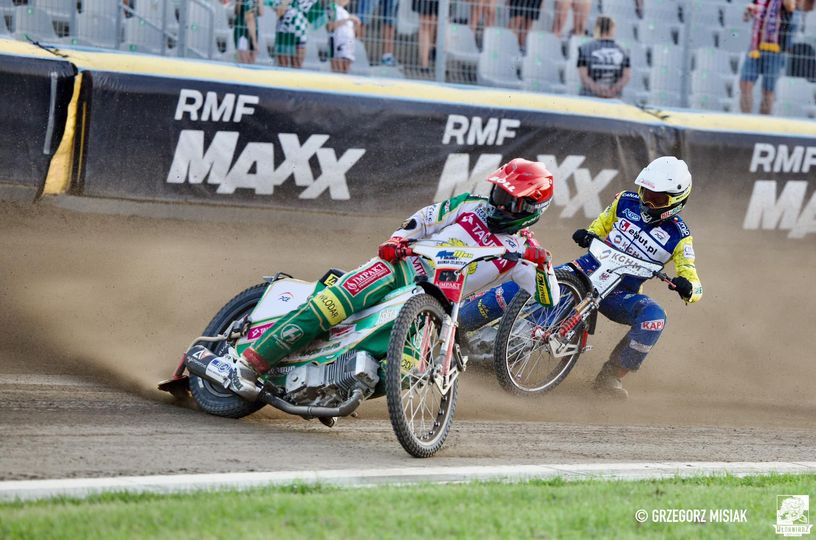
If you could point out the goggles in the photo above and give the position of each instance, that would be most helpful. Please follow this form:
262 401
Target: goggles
504 200
654 199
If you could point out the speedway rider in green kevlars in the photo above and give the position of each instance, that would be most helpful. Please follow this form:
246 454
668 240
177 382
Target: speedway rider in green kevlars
521 192
645 225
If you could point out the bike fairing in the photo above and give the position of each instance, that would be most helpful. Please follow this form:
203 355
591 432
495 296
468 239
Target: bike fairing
460 221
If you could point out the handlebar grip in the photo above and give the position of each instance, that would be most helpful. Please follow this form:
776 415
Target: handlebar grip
511 256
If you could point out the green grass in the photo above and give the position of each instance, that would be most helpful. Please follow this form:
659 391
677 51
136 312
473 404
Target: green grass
537 509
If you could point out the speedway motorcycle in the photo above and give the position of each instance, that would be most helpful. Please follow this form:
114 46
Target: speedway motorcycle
405 348
536 347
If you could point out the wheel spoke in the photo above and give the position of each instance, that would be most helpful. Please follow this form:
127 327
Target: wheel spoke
528 360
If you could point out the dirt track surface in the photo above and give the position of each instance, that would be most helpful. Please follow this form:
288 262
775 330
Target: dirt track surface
98 308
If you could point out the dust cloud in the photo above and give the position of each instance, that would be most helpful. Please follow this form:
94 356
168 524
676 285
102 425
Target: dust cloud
119 298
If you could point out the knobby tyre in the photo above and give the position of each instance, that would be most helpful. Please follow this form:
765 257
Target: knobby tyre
524 365
210 397
420 414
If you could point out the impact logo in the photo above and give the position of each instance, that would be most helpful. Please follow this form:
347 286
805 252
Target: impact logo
365 278
782 204
792 515
254 168
576 188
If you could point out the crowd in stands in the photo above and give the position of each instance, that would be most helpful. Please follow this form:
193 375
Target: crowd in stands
738 55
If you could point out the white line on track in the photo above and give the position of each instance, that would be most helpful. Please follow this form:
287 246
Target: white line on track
82 487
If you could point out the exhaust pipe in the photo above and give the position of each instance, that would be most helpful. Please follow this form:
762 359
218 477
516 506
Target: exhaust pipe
202 362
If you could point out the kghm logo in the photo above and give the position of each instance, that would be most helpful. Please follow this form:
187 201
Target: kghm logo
793 515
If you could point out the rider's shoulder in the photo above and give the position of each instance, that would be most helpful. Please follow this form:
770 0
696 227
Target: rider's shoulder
465 197
677 223
627 195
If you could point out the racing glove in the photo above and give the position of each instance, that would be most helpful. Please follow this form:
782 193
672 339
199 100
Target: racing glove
538 255
683 287
582 237
393 250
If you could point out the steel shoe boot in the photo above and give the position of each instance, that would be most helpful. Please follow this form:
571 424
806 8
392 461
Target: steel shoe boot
243 378
608 384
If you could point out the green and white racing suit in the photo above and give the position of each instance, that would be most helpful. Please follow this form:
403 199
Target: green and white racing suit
460 221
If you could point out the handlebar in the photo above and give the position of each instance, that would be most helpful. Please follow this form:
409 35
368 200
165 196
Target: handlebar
509 256
662 276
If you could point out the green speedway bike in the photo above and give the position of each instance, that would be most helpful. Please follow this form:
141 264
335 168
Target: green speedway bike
405 348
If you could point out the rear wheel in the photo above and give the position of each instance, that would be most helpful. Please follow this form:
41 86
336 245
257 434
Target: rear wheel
524 364
420 413
210 397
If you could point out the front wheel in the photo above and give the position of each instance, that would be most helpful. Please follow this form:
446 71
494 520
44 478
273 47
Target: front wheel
420 413
524 364
210 397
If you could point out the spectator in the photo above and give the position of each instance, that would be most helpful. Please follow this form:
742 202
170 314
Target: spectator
522 15
245 30
768 41
342 38
294 18
580 9
483 11
388 12
602 64
428 10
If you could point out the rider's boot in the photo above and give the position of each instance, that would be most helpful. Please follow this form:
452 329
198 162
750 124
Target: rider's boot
243 377
608 381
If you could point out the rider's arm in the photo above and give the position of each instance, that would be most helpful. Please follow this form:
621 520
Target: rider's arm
683 258
540 282
602 225
437 216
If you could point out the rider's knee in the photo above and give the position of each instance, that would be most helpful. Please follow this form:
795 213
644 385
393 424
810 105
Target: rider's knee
651 319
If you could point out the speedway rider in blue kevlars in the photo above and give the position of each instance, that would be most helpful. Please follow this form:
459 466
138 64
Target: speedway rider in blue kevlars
644 224
521 191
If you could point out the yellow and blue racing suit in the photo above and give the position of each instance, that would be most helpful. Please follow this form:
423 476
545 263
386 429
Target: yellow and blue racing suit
621 224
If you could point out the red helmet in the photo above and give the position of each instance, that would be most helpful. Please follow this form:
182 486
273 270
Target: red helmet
521 191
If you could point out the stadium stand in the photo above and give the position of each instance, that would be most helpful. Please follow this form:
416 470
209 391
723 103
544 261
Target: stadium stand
462 53
795 97
499 58
34 23
683 52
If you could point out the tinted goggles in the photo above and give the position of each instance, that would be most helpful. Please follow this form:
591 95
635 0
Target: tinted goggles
653 199
502 199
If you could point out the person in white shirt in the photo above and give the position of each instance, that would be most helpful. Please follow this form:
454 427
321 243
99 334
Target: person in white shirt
343 28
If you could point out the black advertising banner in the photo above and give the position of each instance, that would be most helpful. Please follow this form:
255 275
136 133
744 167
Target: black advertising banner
755 181
156 138
35 95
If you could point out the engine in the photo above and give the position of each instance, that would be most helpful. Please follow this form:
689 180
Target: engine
327 385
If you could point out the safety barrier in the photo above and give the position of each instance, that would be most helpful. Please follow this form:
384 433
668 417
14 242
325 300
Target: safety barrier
174 130
36 92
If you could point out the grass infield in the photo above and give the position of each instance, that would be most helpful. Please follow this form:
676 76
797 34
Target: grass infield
535 509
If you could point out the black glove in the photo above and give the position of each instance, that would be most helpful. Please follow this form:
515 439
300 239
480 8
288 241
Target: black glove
582 237
682 286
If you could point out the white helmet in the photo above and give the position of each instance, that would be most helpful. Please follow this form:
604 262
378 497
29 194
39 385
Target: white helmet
663 187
